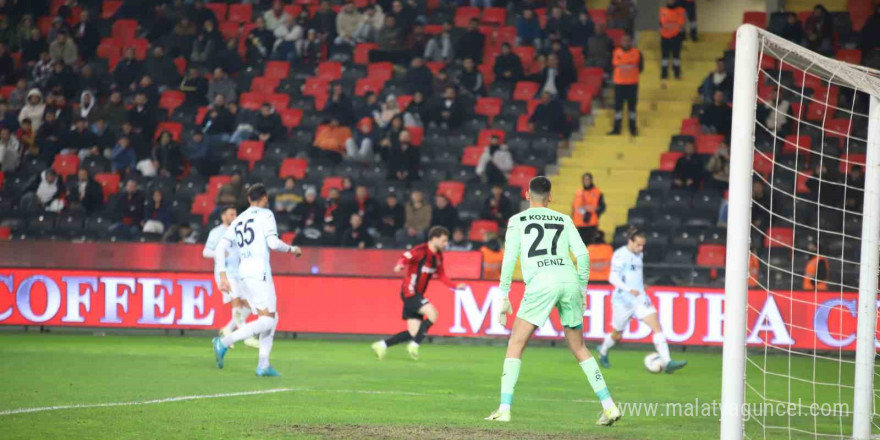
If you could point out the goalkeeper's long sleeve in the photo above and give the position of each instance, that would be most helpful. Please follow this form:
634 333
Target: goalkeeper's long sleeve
511 253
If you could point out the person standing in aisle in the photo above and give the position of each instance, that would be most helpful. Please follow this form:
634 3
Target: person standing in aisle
672 20
628 64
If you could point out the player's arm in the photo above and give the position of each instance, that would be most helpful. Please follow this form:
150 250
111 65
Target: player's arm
508 265
403 261
272 240
211 244
220 262
618 263
441 275
580 252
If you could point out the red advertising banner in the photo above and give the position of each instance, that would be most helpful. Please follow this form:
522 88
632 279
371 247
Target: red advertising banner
689 316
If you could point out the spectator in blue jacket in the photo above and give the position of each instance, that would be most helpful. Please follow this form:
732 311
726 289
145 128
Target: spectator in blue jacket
122 157
528 30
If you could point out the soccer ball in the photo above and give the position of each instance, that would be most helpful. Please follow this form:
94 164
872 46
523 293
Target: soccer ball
653 363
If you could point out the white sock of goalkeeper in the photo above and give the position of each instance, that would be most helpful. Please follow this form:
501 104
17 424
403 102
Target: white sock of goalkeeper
597 382
267 338
262 324
606 345
232 324
662 347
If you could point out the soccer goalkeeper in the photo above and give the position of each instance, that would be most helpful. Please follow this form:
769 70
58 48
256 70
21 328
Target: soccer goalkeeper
543 238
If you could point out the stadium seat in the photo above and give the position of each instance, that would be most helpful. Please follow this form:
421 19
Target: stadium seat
140 46
852 56
203 205
416 135
315 86
489 107
240 12
180 63
109 7
251 100
293 167
756 18
362 53
329 70
382 71
779 237
251 152
709 143
471 155
690 127
229 29
279 101
290 117
403 101
109 183
522 124
799 145
108 49
837 128
480 227
526 54
486 134
175 128
521 175
365 85
219 10
124 30
215 183
330 183
200 115
577 56
452 190
66 164
464 14
277 69
598 15
616 35
171 100
494 16
711 255
525 90
668 160
850 159
264 85
5 232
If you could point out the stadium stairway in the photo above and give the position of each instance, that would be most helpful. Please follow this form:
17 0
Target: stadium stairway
621 164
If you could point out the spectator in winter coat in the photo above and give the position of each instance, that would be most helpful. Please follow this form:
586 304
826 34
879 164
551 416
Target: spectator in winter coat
443 213
162 69
275 16
63 50
128 70
33 109
347 22
717 80
44 192
440 46
222 84
508 66
470 44
84 192
496 163
10 151
599 49
689 169
360 147
404 161
123 157
528 30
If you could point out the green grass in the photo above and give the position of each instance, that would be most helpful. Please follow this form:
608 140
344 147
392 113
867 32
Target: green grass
338 390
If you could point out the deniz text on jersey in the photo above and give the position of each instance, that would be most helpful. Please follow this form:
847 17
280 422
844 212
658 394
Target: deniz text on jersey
554 218
551 262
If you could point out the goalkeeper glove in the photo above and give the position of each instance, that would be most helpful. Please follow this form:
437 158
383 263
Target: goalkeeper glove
502 306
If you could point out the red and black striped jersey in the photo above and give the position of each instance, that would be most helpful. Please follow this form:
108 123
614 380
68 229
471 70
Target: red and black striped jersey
421 264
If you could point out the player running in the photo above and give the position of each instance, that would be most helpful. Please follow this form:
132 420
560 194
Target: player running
422 263
240 308
254 233
629 299
543 239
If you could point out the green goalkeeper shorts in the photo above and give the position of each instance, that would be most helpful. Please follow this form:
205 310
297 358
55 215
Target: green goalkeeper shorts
539 300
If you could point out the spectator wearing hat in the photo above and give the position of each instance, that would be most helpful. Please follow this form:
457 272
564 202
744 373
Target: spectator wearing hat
360 147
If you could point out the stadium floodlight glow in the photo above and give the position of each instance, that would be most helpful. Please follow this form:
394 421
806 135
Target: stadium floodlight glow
798 118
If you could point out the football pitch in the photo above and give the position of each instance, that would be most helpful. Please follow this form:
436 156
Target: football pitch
77 386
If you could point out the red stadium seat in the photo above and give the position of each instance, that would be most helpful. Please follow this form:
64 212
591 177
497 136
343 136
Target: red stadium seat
109 183
804 79
66 164
124 30
763 164
203 204
251 100
487 133
200 115
531 105
541 13
709 143
219 10
416 135
480 227
453 191
505 34
264 85
669 159
802 178
329 70
251 151
215 183
362 53
471 156
5 232
140 45
240 12
779 237
577 56
278 100
690 127
711 255
837 128
581 92
330 183
229 29
180 63
290 117
616 35
403 101
526 54
364 85
591 84
848 160
433 29
525 90
171 99
757 18
44 24
288 237
435 66
522 124
2 179
109 7
464 14
521 175
817 111
277 69
295 168
109 48
852 56
488 74
490 107
383 71
587 72
494 16
799 145
598 16
315 86
175 128
293 10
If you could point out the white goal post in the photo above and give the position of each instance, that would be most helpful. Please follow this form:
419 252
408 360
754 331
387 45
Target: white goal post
749 374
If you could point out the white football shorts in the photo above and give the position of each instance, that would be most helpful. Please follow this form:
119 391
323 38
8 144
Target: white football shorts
234 287
623 311
259 294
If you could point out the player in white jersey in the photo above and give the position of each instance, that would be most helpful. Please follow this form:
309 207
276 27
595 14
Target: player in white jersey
629 299
240 307
254 233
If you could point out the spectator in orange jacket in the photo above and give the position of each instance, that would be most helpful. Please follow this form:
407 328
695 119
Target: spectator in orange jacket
588 205
330 141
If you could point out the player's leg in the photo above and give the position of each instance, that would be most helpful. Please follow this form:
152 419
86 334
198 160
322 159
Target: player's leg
665 53
229 327
262 297
411 306
621 313
241 309
660 343
429 312
618 108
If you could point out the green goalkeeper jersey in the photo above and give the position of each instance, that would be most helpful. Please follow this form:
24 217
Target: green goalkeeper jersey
544 241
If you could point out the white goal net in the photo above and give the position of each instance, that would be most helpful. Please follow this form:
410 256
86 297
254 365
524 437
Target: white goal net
802 261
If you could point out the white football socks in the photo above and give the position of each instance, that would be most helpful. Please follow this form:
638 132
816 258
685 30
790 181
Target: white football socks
606 345
662 347
262 324
267 338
